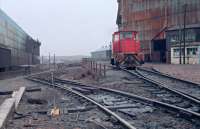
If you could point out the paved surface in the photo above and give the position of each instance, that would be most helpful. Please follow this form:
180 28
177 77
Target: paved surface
13 84
187 72
16 83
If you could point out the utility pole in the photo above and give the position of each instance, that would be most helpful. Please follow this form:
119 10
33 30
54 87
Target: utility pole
180 45
52 82
184 33
49 61
42 60
54 62
180 34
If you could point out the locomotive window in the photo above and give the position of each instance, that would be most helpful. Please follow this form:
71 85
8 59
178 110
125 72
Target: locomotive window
116 38
136 37
126 35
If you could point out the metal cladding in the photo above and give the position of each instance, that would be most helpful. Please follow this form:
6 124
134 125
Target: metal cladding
103 53
151 18
16 46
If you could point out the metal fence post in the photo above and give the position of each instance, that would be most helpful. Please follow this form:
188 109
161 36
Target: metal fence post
91 65
96 68
100 69
49 61
104 70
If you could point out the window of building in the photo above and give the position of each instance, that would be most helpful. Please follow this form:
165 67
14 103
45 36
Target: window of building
190 35
197 31
176 52
192 51
174 38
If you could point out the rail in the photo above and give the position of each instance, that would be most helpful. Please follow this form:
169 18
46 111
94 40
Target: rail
168 106
121 120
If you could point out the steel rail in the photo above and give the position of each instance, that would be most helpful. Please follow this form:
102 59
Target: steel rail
147 100
155 71
121 120
162 85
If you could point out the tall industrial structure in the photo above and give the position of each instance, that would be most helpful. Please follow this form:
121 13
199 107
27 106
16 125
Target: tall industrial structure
16 46
165 27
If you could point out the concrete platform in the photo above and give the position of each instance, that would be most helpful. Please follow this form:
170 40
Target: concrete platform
10 105
18 95
6 109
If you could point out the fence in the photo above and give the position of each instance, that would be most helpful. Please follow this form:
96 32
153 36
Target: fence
98 69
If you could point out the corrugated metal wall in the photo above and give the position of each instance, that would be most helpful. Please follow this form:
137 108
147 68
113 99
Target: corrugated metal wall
5 56
13 38
150 17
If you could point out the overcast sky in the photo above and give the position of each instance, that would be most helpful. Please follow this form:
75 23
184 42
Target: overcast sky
65 27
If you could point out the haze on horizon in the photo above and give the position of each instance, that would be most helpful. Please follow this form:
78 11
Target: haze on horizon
65 27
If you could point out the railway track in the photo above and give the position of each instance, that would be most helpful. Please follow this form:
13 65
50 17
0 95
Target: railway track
187 105
188 88
123 122
128 105
158 91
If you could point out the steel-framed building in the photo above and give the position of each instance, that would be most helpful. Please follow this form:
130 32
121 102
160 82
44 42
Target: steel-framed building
155 20
102 54
16 46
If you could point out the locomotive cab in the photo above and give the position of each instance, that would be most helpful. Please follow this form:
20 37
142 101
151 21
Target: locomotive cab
126 49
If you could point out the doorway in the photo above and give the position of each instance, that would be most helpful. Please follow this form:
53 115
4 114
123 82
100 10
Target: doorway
159 46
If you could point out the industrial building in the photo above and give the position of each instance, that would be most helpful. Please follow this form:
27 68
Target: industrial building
17 48
102 54
192 46
161 24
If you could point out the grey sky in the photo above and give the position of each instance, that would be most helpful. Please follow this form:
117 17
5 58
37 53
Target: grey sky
66 27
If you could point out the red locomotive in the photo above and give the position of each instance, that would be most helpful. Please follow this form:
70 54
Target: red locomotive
126 49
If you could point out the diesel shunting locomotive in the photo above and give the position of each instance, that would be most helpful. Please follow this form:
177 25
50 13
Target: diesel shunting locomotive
126 49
